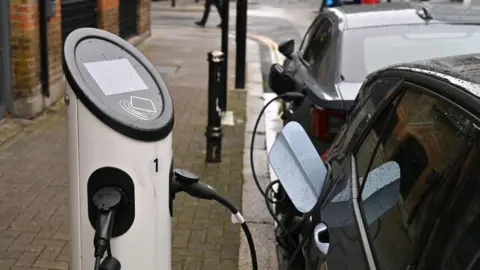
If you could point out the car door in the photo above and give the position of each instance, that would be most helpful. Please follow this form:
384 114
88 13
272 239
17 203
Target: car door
346 251
424 145
383 219
455 242
452 241
301 66
314 66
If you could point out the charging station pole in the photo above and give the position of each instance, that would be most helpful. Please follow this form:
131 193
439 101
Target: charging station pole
119 128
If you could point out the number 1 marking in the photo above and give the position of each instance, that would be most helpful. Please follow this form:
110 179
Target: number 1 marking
156 164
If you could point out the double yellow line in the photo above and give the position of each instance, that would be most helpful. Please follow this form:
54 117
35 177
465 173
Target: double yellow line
275 55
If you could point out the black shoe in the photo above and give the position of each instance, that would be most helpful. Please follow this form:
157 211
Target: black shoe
219 25
201 24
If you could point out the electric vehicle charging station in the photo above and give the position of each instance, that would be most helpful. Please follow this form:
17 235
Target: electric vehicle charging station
119 124
121 176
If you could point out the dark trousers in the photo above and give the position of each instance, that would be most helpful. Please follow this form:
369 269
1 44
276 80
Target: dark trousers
206 11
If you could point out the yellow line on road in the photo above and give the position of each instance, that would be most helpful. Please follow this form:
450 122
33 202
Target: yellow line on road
272 46
275 55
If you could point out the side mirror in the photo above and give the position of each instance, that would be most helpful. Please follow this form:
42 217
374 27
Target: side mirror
286 48
279 81
298 167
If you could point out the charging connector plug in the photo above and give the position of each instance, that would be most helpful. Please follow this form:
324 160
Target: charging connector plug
188 182
106 200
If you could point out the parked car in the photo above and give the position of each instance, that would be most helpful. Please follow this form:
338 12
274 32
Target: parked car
403 191
344 44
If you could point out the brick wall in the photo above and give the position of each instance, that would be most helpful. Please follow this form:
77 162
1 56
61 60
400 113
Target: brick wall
24 15
55 45
107 15
143 16
27 92
25 48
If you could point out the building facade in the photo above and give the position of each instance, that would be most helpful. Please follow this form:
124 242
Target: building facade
38 29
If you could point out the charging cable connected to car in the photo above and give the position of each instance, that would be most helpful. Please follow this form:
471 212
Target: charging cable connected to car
286 235
107 200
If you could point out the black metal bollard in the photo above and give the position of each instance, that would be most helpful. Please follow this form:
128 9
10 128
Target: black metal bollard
214 131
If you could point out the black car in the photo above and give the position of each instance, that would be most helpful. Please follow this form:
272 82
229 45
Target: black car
344 44
423 119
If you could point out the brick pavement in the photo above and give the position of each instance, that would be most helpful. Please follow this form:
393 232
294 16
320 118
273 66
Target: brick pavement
33 170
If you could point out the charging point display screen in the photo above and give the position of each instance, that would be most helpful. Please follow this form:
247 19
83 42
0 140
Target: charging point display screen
116 76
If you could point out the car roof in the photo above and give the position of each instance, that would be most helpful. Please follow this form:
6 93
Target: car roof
462 71
390 14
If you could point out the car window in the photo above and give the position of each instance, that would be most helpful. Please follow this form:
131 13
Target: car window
455 244
308 36
323 53
461 252
420 137
317 46
365 50
367 102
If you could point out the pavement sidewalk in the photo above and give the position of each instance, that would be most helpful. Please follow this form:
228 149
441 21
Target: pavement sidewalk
33 168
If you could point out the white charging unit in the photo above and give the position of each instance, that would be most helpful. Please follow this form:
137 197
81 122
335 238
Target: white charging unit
119 126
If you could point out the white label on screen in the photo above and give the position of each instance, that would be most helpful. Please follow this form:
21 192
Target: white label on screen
115 76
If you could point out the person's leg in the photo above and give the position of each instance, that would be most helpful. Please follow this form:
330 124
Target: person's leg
206 11
218 5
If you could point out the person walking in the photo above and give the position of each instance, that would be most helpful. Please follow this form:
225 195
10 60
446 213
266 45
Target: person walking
206 11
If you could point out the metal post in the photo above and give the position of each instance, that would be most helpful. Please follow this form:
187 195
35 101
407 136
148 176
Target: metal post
241 44
224 73
5 59
214 132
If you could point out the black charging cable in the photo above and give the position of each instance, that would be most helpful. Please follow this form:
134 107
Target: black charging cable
286 233
294 95
106 200
190 183
239 218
